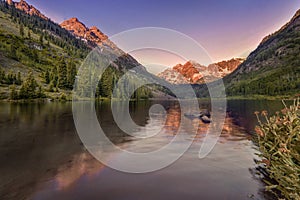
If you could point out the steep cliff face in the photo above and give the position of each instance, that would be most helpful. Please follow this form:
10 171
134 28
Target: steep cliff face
75 26
96 33
29 9
192 72
273 68
227 67
80 30
92 36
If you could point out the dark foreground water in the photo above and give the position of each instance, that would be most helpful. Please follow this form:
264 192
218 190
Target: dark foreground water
42 157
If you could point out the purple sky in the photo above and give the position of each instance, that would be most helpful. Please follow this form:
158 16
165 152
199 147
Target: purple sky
225 28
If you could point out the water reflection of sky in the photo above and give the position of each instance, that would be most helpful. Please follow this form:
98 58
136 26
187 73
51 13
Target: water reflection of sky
45 159
83 168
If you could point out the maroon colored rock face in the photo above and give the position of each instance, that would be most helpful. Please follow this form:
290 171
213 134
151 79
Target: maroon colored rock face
29 9
192 72
76 27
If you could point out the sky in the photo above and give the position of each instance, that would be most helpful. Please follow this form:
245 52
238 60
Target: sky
225 28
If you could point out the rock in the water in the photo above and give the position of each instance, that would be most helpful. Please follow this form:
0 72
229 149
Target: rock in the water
203 114
205 119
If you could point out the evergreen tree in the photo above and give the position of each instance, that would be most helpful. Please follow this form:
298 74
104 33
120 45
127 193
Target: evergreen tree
41 39
10 78
28 88
62 74
19 79
40 93
34 55
100 91
21 30
51 87
2 76
54 76
13 93
47 77
72 71
29 34
13 52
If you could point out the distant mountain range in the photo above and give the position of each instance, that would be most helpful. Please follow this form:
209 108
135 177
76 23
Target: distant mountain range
190 72
272 69
194 73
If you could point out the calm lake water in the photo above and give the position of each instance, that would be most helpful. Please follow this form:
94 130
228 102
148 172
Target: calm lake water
42 157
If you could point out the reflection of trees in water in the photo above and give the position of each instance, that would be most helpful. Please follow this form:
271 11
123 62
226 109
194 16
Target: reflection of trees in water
35 140
243 111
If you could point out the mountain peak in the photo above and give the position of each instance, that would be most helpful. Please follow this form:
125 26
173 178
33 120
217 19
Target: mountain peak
74 19
80 30
75 27
73 22
94 28
193 72
29 9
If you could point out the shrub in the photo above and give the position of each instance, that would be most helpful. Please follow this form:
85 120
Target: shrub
63 97
279 145
30 89
13 94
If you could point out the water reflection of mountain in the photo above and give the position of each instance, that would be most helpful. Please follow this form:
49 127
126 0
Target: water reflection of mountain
82 164
232 131
40 150
173 120
39 142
